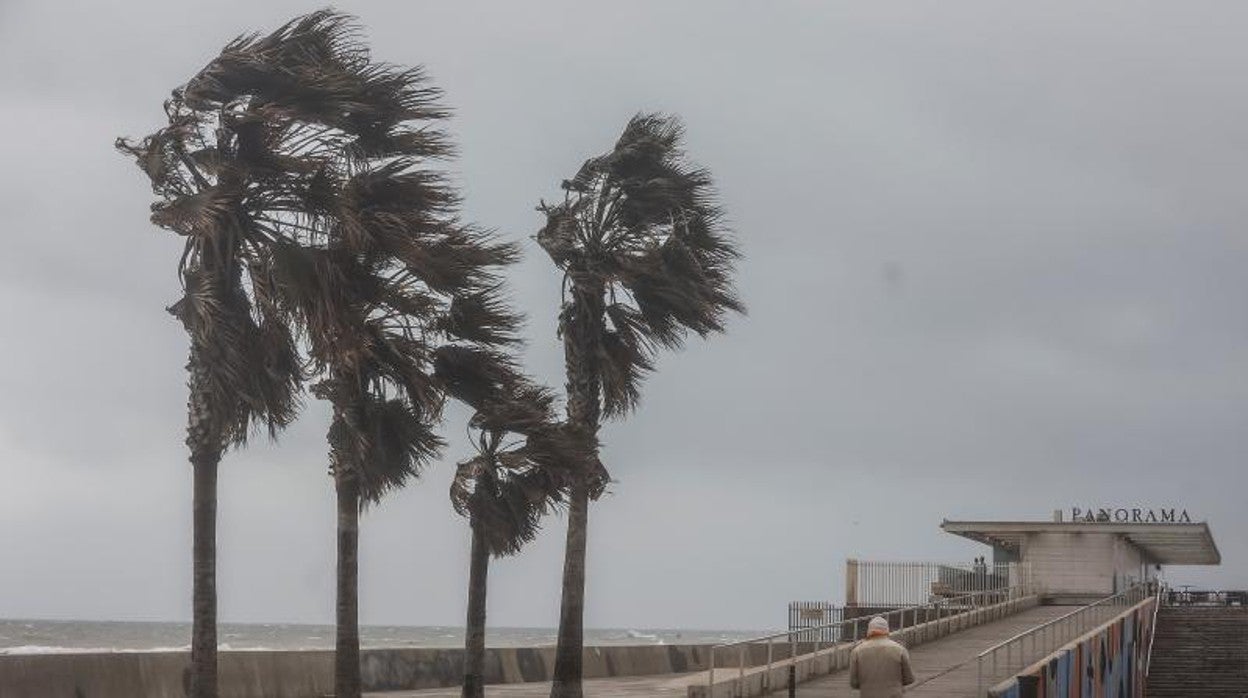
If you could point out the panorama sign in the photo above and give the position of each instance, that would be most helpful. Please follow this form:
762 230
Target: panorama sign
1136 515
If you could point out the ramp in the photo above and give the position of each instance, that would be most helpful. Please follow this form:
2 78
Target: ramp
943 667
946 667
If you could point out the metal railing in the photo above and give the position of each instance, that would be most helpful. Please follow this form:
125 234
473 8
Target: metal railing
806 615
874 583
851 629
1007 658
1187 597
1152 630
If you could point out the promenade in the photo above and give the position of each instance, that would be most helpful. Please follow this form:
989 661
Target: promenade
663 686
944 667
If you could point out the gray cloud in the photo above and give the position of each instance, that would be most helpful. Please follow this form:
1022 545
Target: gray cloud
1053 190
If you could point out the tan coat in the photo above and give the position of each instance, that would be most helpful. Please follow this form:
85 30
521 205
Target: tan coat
880 668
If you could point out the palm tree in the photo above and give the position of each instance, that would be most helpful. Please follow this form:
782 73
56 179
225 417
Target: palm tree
397 333
243 367
290 164
646 259
523 465
387 393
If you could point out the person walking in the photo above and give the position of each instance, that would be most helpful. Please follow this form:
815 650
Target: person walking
879 667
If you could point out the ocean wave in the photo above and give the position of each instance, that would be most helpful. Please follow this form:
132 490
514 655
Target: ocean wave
57 649
44 649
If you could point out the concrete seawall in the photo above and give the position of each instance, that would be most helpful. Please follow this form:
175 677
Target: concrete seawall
309 674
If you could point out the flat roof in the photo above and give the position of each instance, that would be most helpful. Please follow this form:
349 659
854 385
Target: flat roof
1162 543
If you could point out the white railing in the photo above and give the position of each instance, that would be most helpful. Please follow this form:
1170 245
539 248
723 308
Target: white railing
1007 658
853 629
880 584
1152 630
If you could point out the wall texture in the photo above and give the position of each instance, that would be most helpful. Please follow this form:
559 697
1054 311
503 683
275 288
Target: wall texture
309 674
1106 663
1094 564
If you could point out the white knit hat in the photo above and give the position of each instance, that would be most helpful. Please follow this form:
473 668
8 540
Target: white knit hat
878 625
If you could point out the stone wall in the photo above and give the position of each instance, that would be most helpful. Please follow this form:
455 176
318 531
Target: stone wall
309 674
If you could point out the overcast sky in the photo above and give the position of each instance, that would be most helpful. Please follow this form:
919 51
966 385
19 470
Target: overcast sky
995 263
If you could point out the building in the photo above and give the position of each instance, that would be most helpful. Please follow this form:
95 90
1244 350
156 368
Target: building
1093 553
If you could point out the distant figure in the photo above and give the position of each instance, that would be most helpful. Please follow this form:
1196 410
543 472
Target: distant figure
878 666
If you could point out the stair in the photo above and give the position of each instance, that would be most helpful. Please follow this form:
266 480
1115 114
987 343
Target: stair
1200 651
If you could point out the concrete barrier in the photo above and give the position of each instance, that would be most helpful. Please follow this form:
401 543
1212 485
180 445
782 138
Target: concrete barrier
1107 661
309 674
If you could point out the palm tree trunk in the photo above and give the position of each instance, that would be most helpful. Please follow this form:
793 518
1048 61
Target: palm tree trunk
204 579
474 637
581 323
347 649
204 441
569 654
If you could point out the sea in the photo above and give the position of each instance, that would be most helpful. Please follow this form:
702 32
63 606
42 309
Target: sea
53 636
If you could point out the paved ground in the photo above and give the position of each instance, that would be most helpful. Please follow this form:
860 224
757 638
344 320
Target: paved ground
945 667
665 686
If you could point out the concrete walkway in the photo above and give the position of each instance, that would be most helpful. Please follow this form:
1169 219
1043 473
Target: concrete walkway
944 667
663 686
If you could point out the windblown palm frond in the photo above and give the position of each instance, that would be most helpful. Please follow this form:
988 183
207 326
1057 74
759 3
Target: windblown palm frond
507 508
296 157
248 357
525 463
381 444
639 232
259 169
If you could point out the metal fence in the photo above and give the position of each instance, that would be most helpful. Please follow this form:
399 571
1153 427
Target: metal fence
892 584
1189 597
1008 658
813 621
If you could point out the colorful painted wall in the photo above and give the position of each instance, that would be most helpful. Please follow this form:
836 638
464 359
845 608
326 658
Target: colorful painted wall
1107 663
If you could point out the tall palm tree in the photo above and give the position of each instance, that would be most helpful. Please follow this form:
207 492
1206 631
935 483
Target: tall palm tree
243 367
387 393
523 465
290 162
646 259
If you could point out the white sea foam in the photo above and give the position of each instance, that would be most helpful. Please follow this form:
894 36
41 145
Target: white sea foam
56 649
638 635
50 649
44 649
